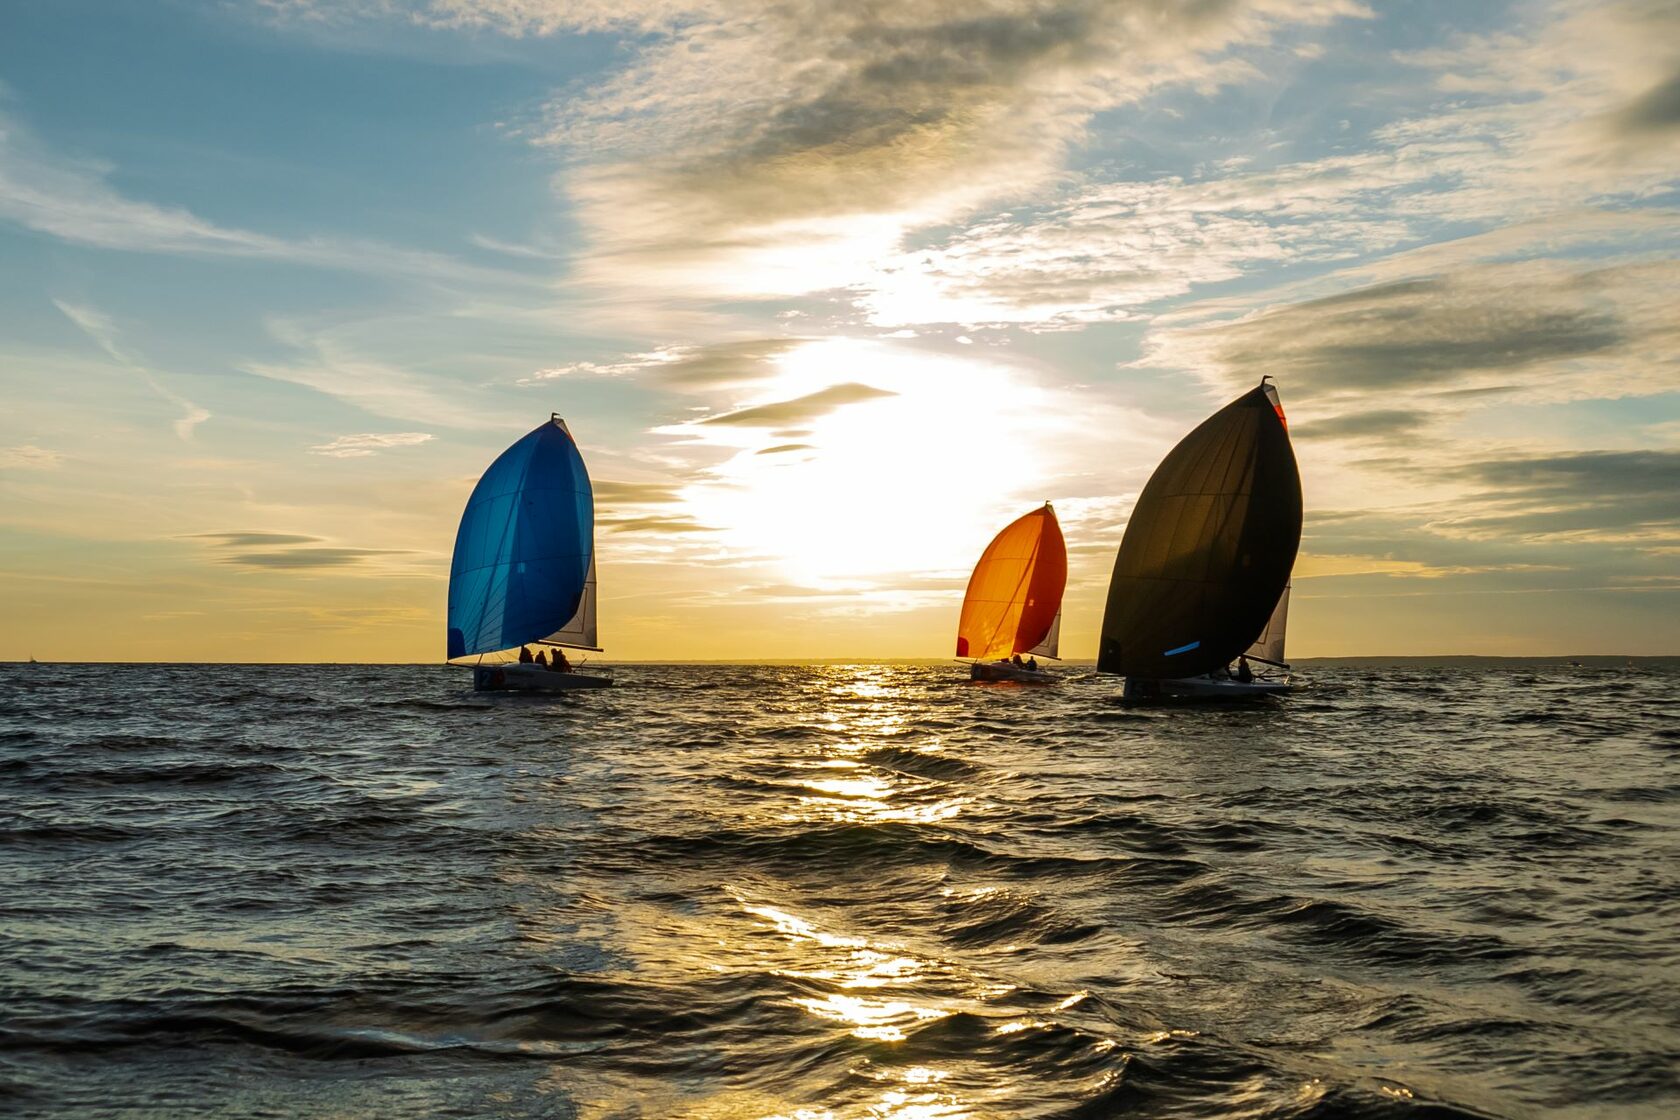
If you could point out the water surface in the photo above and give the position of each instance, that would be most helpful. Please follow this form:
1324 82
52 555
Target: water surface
848 891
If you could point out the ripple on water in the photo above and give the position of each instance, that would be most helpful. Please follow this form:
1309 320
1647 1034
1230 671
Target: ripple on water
863 890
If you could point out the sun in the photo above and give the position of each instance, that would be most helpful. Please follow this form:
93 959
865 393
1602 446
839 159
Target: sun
912 482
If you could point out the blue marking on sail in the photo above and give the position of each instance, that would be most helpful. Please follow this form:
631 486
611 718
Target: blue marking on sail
1183 649
523 549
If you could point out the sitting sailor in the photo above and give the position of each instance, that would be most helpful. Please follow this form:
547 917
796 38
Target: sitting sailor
524 655
542 658
560 664
1245 675
1032 663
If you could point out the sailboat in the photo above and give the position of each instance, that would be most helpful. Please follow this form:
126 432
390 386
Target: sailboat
1014 600
524 566
1203 570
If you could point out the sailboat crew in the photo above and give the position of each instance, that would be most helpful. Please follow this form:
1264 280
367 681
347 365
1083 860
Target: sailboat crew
525 655
1245 675
560 664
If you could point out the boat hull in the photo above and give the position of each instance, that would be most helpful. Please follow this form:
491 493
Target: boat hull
1006 671
532 678
1205 690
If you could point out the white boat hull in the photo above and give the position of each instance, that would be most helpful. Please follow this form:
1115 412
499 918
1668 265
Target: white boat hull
1211 689
1008 671
519 677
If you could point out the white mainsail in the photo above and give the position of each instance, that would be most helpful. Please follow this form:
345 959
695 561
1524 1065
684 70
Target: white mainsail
1269 645
1048 647
579 631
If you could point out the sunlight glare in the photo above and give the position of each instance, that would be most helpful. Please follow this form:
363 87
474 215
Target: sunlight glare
915 482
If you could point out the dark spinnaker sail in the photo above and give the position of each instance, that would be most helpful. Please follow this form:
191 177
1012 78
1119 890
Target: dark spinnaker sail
1209 546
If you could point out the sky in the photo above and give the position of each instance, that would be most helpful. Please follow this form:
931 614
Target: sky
829 292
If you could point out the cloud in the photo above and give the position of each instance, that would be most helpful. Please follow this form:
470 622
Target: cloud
612 493
72 200
769 147
784 448
800 410
274 551
689 368
1655 111
1543 125
294 559
1546 330
722 365
1603 494
368 443
1376 425
376 387
247 538
654 524
28 457
100 328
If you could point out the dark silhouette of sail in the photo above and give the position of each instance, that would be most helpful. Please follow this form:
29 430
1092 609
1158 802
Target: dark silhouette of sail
1209 546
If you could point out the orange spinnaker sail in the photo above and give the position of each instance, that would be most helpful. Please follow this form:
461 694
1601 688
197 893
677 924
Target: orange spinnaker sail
1015 592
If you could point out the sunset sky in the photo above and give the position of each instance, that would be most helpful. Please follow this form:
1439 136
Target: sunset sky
828 293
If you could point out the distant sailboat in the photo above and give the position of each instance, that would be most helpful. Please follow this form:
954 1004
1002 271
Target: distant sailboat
524 564
1014 600
1203 570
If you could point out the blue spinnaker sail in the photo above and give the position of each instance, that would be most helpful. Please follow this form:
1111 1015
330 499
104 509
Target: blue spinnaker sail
523 550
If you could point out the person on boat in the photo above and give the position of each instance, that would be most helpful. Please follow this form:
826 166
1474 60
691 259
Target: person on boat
525 655
1016 661
560 664
542 658
1245 675
1032 663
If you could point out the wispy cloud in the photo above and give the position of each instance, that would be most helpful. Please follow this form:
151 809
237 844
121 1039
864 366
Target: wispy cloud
369 443
381 388
28 457
103 331
245 538
1624 495
1381 424
762 148
651 523
1534 130
1546 330
73 200
304 559
800 410
695 368
279 551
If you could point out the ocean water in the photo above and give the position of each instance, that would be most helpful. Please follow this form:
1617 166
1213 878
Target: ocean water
837 891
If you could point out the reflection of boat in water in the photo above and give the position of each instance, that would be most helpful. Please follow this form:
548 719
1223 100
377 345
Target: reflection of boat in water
1013 605
524 565
1202 576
